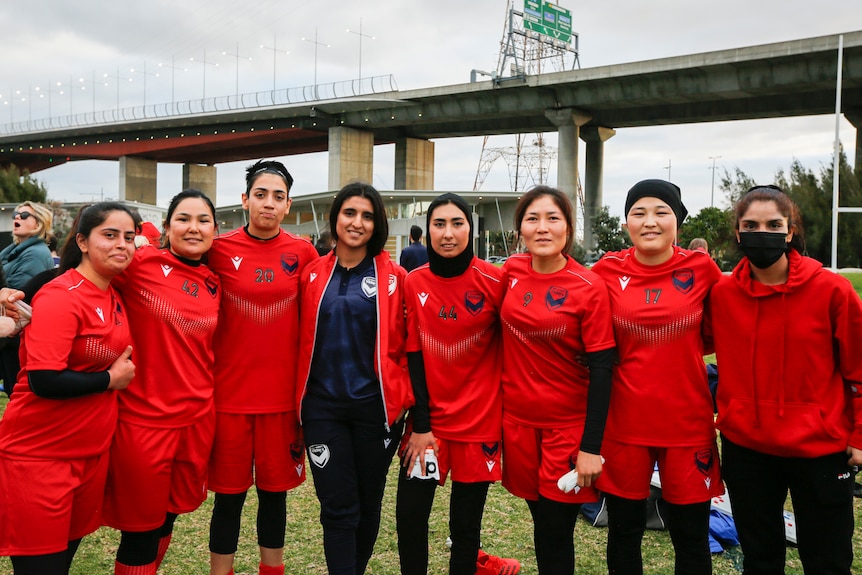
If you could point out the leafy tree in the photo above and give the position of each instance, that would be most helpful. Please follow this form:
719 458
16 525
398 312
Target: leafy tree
17 186
735 186
716 227
608 233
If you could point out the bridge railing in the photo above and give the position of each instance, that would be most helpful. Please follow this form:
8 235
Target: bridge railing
269 98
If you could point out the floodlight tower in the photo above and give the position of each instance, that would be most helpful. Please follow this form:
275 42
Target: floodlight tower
530 47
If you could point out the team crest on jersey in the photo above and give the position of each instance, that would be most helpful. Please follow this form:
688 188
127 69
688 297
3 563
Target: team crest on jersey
369 286
166 269
393 283
289 263
212 287
475 302
556 297
236 261
319 454
492 454
683 280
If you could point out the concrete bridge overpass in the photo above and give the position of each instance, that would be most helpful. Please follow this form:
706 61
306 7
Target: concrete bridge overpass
796 78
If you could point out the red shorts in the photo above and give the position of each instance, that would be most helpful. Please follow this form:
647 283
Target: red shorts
688 474
154 471
45 503
467 462
534 459
264 450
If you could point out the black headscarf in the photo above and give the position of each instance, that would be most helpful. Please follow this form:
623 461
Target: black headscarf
450 267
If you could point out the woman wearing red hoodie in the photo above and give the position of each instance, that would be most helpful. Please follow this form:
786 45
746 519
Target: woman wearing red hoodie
787 338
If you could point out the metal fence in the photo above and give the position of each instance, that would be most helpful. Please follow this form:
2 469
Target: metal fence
269 98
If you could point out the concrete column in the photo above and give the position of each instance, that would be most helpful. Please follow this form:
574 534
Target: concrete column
568 122
351 156
855 118
595 137
201 178
138 180
414 164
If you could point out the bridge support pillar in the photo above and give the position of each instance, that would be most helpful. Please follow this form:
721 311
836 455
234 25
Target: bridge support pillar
414 164
595 137
855 118
137 180
568 122
351 156
201 178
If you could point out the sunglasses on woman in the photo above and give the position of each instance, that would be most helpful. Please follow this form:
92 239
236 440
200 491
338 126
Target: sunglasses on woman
22 215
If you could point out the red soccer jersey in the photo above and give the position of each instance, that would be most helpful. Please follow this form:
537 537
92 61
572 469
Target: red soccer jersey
549 320
454 322
173 310
258 335
660 396
75 326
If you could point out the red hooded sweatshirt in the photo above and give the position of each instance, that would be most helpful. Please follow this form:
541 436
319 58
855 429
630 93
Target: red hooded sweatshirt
790 360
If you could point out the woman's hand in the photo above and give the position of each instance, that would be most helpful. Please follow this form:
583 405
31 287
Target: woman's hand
415 449
855 455
122 370
589 467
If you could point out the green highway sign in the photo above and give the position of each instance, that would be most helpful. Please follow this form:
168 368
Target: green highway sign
548 20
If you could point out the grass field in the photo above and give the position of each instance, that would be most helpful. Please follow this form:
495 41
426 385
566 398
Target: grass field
507 532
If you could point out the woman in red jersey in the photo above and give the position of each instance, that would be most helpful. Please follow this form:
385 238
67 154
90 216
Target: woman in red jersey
788 340
352 382
165 431
454 355
257 438
57 431
558 348
661 410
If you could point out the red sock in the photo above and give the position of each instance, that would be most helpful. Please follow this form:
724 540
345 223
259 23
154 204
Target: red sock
121 569
163 548
270 570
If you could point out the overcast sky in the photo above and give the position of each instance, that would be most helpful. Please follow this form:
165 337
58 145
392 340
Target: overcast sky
422 44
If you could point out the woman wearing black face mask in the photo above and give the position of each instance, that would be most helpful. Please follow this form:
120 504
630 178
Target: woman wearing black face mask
787 338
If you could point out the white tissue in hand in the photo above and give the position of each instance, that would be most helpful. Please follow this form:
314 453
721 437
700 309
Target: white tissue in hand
569 482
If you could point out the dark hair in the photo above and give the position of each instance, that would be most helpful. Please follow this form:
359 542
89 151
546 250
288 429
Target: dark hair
563 202
175 201
52 242
415 233
88 218
266 167
785 205
381 225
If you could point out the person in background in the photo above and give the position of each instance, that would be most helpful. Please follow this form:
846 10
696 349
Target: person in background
257 436
787 337
415 254
661 409
324 243
160 451
558 352
51 242
352 383
698 244
55 436
454 356
26 256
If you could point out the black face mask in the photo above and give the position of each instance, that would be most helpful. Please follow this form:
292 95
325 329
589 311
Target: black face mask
763 248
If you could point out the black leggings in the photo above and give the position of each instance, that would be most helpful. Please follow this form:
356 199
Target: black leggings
227 515
142 547
412 511
688 526
52 564
553 535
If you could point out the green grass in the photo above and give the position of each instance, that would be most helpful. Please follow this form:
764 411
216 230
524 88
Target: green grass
507 532
856 280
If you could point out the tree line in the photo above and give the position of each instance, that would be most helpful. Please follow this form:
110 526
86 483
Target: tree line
812 193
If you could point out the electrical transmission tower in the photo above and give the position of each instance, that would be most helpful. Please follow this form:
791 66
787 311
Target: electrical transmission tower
524 52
